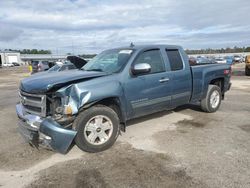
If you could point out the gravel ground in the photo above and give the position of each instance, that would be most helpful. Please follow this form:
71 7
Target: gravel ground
180 148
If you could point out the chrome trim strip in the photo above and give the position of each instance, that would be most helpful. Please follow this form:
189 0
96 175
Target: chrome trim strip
32 120
29 94
150 102
179 95
143 103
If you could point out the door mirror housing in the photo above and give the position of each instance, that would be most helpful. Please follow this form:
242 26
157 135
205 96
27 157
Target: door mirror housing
141 68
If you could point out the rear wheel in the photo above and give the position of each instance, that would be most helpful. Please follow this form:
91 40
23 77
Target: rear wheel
97 128
213 99
247 71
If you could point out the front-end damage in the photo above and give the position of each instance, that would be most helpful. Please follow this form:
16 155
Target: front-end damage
54 128
53 131
72 98
44 132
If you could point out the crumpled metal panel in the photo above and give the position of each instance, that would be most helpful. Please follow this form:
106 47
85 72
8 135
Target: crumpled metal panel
42 83
77 96
62 139
87 92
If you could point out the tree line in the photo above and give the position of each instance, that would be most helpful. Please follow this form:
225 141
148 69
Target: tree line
30 51
221 50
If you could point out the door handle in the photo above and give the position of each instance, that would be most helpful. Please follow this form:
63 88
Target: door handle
164 80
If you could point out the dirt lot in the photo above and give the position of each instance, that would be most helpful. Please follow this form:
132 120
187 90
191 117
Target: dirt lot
180 148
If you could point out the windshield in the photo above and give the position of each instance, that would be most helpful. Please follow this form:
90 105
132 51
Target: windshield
110 61
54 68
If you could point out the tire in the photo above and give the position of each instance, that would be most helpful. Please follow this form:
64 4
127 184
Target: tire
97 128
247 71
208 104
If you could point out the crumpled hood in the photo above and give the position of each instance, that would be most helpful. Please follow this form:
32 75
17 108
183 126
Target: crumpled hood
46 82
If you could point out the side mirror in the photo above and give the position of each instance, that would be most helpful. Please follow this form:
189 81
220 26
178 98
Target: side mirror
141 68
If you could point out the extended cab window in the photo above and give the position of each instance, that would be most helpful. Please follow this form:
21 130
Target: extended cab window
175 60
153 58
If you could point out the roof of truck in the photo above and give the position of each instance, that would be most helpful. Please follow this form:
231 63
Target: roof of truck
139 47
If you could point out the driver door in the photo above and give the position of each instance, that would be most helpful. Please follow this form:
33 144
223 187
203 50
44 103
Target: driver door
150 92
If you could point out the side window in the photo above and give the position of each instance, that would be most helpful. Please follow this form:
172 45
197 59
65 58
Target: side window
175 60
153 58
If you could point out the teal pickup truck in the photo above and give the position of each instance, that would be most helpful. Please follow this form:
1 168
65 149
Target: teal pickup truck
89 107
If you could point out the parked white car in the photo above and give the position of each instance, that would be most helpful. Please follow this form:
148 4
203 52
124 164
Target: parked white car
8 64
237 59
220 60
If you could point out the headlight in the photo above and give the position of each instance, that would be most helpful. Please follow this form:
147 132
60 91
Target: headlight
68 110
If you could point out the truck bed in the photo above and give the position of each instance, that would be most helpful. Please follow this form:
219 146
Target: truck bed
203 74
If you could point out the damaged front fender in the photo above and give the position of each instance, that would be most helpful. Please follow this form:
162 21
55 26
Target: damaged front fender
75 97
78 95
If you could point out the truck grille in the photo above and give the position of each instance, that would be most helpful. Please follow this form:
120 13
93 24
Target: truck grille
33 104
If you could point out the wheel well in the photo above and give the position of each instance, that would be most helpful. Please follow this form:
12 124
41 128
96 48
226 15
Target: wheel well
112 102
220 83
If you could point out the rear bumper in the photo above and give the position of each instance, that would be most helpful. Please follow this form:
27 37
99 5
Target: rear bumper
44 132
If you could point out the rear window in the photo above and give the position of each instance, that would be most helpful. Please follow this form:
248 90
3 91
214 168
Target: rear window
175 60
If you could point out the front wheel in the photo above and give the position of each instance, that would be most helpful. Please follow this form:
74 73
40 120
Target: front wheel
97 128
213 99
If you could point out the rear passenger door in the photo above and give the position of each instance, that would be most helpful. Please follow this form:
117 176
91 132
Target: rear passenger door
181 80
150 92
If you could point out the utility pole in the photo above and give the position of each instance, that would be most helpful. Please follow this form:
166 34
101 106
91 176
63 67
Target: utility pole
73 48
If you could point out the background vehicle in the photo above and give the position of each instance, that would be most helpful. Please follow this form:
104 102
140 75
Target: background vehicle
90 106
8 64
77 61
220 60
192 61
237 59
39 66
72 62
202 60
62 67
230 60
15 64
247 68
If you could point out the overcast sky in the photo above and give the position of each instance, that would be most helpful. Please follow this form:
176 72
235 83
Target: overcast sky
89 26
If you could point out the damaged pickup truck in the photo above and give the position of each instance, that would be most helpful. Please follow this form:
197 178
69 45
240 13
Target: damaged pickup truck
89 107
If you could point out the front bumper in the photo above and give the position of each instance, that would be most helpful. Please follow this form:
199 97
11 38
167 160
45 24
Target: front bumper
44 132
